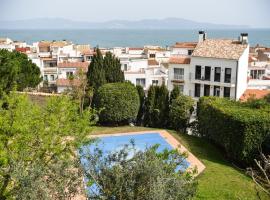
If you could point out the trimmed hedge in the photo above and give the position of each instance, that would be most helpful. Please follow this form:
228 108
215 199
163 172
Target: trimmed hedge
235 126
119 103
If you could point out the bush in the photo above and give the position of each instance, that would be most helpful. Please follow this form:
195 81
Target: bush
157 107
180 112
237 127
147 175
118 102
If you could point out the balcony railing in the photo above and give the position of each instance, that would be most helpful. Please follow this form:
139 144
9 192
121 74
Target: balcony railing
178 77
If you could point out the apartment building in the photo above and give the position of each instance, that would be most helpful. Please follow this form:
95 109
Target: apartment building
218 67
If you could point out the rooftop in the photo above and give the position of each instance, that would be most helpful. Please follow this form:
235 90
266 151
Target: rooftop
254 93
152 62
83 65
220 48
185 45
179 60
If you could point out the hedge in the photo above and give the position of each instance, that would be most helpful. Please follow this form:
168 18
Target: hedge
236 127
118 103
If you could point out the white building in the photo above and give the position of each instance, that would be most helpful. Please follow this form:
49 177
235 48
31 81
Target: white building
218 67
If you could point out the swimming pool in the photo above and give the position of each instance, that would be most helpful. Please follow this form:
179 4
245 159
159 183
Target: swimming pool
111 143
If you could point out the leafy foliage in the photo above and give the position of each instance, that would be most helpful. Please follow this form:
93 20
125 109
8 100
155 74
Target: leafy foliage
157 106
145 175
17 71
104 70
37 148
180 112
119 103
237 127
174 94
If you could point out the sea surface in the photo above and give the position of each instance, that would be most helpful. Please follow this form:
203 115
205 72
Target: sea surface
132 38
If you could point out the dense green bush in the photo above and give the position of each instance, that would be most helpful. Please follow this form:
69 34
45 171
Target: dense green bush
237 127
119 103
157 107
180 111
142 105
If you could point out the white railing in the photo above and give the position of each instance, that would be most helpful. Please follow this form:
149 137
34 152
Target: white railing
178 77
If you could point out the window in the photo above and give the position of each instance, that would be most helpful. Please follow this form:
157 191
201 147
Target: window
154 82
140 81
207 73
227 92
228 72
197 90
52 77
45 78
217 74
206 91
69 74
125 67
178 73
152 55
217 91
198 72
190 52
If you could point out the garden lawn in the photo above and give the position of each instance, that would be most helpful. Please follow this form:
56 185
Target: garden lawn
220 180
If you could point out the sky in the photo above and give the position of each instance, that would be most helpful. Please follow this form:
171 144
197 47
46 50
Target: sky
255 13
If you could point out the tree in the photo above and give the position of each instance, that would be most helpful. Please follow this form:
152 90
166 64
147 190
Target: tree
180 112
267 98
104 70
118 103
142 104
145 175
174 94
96 74
17 72
37 148
157 106
112 67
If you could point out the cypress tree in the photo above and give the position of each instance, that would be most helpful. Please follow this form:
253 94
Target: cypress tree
150 106
174 94
96 74
112 67
142 104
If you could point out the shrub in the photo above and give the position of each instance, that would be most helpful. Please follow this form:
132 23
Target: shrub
237 127
180 112
157 107
147 175
118 102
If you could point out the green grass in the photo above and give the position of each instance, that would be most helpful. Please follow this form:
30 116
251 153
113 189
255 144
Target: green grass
220 180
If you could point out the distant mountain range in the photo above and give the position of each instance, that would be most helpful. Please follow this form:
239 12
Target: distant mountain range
168 23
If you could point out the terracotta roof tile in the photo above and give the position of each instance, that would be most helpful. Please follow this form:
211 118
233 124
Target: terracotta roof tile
185 45
67 82
220 48
179 60
83 65
254 93
152 62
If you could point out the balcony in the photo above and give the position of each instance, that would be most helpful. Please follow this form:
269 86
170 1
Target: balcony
178 77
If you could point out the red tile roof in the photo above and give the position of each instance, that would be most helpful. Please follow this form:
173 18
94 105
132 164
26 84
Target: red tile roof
135 48
185 45
254 93
179 60
67 82
22 49
152 62
83 65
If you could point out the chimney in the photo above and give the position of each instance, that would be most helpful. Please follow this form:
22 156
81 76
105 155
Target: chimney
244 38
202 36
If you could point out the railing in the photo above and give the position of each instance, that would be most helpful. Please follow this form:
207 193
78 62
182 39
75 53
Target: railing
178 77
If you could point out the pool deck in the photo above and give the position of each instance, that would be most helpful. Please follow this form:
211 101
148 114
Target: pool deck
194 162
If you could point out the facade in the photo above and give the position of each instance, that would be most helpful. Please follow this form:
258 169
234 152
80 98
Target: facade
218 67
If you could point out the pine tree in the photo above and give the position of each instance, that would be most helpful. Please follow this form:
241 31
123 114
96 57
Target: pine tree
96 74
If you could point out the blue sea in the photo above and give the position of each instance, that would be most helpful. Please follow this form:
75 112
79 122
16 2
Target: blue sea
132 38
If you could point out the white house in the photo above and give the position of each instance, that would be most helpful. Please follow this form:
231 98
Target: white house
218 67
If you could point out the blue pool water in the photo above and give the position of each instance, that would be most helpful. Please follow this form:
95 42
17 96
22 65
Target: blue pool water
113 143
